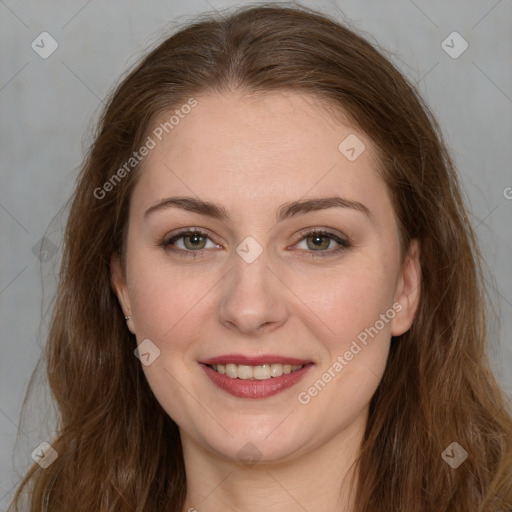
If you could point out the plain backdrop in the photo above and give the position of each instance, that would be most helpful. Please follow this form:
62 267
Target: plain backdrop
49 107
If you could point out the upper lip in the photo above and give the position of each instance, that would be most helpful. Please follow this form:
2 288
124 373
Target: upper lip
254 360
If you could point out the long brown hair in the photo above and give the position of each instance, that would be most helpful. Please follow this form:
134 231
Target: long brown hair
118 449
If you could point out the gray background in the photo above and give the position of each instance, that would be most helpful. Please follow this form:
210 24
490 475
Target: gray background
49 106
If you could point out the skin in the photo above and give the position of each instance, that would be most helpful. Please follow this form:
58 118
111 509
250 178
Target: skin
251 155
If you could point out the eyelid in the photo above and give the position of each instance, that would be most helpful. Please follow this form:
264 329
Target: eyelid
187 230
323 231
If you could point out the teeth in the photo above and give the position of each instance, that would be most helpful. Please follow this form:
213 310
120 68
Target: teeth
262 372
243 372
232 371
276 370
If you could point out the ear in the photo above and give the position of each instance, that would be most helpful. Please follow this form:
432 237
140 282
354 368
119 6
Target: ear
407 292
118 283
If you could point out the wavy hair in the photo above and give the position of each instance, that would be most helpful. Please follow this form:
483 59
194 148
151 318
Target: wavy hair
118 449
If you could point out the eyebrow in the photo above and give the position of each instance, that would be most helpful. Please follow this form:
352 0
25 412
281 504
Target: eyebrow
286 211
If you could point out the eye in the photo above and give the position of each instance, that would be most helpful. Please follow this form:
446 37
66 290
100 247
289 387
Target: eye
189 241
322 242
192 241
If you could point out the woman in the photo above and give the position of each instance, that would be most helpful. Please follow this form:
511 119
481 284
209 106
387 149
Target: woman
270 295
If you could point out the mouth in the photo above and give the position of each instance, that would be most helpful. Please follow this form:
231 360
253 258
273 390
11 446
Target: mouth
255 377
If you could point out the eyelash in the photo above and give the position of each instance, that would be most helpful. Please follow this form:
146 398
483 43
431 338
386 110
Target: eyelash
343 243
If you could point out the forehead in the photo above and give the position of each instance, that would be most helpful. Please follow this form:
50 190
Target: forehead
240 150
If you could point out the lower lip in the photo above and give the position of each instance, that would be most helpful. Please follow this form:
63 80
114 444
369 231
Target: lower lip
256 388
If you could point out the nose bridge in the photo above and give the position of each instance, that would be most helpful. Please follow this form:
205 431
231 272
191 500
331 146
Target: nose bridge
252 295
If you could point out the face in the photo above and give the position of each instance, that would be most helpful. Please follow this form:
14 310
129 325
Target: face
263 265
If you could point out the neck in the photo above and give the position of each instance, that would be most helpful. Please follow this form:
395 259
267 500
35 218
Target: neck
320 479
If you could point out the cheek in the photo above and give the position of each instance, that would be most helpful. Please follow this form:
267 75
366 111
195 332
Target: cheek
166 300
168 307
348 300
354 311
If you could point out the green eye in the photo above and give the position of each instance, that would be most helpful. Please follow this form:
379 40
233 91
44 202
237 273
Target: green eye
322 243
189 242
318 242
194 241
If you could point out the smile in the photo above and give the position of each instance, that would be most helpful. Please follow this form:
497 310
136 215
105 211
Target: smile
260 372
255 377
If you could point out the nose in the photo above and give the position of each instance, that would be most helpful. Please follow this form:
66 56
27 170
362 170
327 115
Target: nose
253 299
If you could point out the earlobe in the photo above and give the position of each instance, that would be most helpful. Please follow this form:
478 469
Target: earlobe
118 284
408 290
